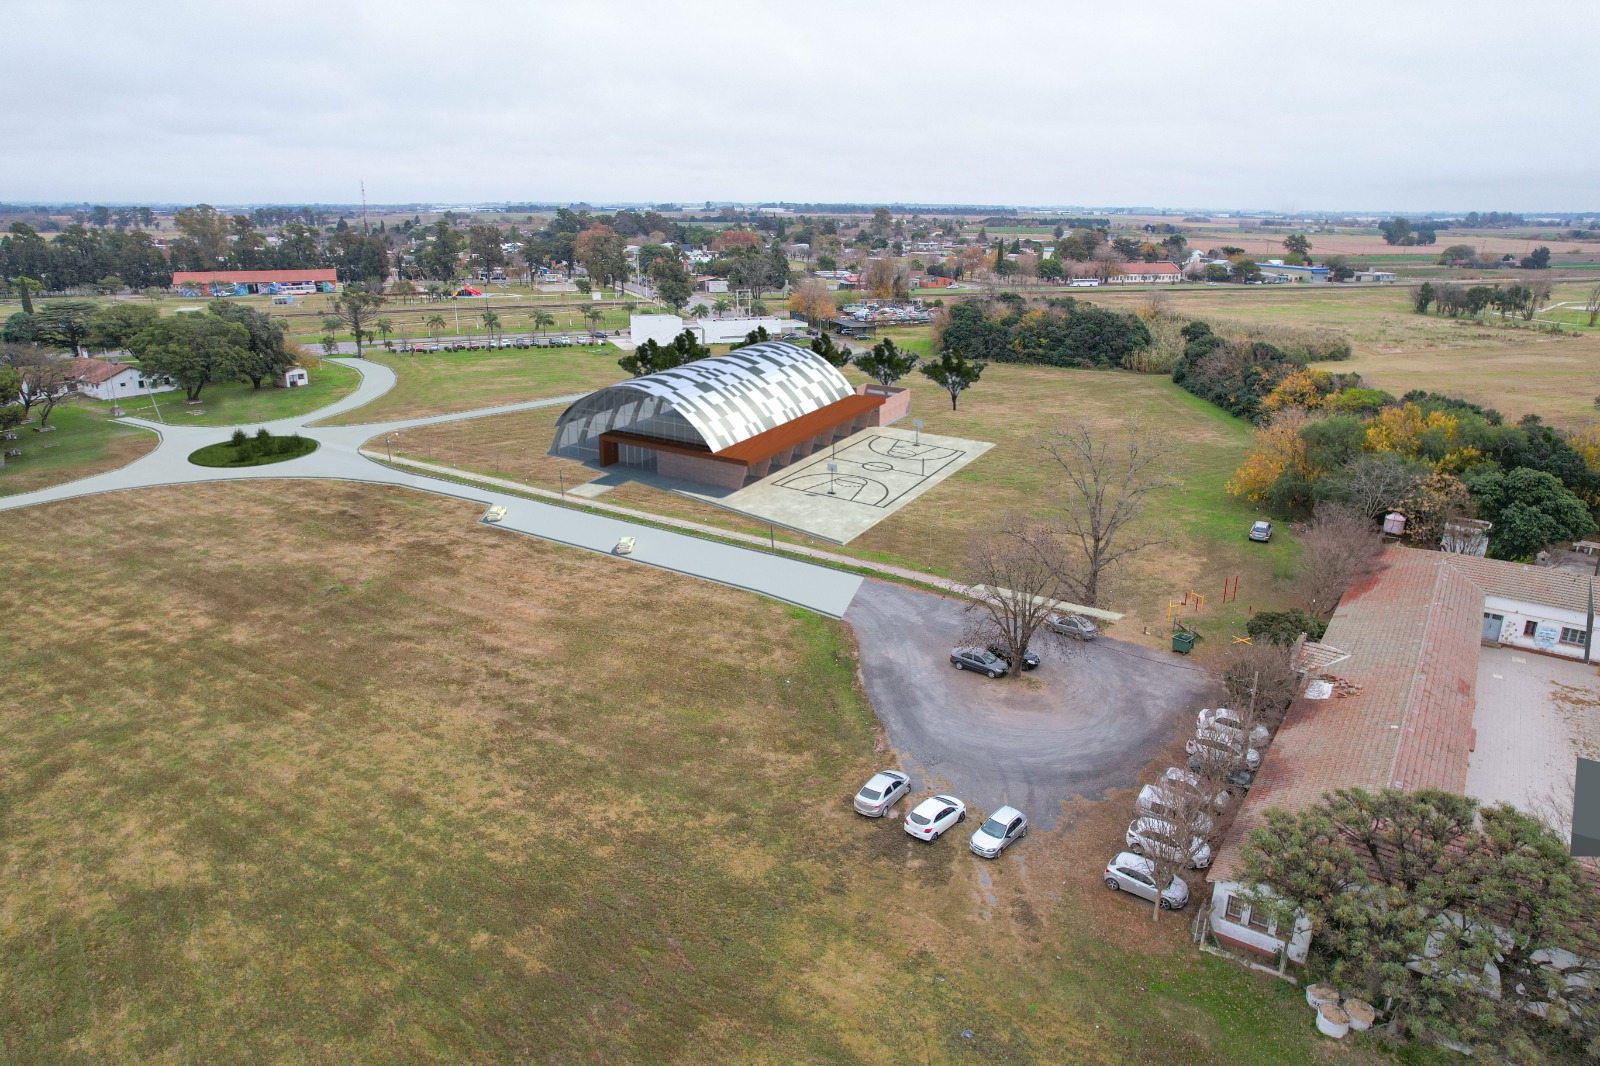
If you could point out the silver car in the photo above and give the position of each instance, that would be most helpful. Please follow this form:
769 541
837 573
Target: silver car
1224 719
1224 747
1073 625
881 792
931 818
1135 874
1004 828
1148 836
1164 800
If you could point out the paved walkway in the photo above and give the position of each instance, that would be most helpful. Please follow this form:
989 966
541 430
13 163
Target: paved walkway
339 456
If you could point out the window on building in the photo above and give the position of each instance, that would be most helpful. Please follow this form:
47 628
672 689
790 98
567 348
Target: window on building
1260 924
1530 628
1235 909
1572 636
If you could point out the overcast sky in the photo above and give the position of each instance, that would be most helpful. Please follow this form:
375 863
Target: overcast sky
1398 105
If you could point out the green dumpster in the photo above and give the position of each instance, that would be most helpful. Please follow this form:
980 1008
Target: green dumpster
1182 643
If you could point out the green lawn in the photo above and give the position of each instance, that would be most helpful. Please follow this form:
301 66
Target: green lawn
276 792
85 442
439 382
235 403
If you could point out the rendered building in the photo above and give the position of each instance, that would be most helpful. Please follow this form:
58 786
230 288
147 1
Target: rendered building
251 282
725 420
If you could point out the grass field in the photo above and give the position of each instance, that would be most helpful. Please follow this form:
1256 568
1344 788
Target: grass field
85 442
440 382
274 792
234 403
1012 407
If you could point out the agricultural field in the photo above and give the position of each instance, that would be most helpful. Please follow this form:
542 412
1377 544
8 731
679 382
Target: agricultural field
1201 529
276 792
85 442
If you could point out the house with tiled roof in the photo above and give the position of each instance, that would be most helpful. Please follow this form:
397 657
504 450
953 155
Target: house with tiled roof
1402 713
112 381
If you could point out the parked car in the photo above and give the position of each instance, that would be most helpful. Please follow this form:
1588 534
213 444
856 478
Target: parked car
1261 531
1003 828
1167 803
930 818
1135 875
1146 835
1186 779
980 659
1223 745
1073 625
1224 719
1030 658
882 790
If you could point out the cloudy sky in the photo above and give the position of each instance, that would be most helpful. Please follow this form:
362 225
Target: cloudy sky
1396 105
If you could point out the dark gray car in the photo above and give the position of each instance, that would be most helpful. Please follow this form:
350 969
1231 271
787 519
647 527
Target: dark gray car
980 659
1073 625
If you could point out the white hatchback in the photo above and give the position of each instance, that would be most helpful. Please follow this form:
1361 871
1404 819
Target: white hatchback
1004 828
1223 746
1135 874
1153 836
933 816
1225 719
882 790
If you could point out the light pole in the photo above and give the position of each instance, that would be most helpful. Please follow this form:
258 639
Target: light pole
388 446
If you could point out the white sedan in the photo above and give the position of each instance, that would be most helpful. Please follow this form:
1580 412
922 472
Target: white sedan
1153 836
1225 719
929 820
1136 874
1224 747
882 791
1004 828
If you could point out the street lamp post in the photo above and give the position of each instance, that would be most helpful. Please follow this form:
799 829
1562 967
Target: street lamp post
388 446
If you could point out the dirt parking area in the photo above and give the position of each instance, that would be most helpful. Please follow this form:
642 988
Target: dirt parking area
1087 721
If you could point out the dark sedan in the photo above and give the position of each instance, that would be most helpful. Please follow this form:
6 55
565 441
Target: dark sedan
980 659
1030 658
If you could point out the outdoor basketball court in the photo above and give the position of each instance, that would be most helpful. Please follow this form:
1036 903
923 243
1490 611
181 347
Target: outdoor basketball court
874 474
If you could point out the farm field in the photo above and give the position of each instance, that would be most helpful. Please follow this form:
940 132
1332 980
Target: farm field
1202 529
276 792
85 442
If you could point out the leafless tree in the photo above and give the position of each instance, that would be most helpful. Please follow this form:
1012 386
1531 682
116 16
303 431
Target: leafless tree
1338 546
1261 682
1538 296
47 379
1375 482
1023 569
1182 828
1591 306
1106 484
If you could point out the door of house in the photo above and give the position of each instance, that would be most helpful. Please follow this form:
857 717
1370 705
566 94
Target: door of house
1492 624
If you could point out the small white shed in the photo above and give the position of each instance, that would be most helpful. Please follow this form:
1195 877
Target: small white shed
295 377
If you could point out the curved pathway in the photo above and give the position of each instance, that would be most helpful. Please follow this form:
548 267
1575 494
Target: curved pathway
338 456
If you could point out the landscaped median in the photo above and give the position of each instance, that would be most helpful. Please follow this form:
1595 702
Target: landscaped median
259 450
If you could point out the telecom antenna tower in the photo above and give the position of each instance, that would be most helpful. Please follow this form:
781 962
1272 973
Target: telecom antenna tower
364 229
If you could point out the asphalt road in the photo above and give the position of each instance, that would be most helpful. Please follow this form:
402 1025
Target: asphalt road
1087 720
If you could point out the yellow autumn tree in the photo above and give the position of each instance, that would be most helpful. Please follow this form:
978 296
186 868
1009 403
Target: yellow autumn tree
1402 429
1304 388
1586 442
1276 449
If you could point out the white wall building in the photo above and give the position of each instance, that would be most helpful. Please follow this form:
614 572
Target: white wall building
663 328
113 381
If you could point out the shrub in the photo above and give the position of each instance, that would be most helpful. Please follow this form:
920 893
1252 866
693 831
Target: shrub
1285 627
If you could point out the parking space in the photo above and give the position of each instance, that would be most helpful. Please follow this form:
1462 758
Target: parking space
1086 721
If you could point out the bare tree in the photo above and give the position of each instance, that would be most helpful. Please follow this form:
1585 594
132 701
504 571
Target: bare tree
1591 306
1338 546
1107 483
1023 570
1375 482
1176 839
47 379
1261 682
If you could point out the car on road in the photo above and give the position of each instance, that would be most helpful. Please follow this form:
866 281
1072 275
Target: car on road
980 659
1223 746
1152 835
625 546
1002 829
1073 625
1224 719
1030 658
882 790
933 816
1261 531
1173 802
1135 875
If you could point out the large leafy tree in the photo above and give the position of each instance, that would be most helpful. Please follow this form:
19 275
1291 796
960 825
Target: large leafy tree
1530 510
11 412
1411 896
953 373
673 282
886 363
193 350
650 356
269 350
114 326
64 323
357 310
838 356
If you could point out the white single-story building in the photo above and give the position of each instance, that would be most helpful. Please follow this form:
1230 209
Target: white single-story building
1146 274
663 328
294 378
113 381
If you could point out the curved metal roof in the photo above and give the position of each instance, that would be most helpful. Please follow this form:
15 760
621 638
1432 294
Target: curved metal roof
733 397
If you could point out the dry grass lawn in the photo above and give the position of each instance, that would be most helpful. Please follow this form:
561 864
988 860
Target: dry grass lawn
312 772
85 442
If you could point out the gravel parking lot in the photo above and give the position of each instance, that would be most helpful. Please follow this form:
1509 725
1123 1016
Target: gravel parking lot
1087 720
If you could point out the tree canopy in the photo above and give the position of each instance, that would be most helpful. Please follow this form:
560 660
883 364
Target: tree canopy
193 350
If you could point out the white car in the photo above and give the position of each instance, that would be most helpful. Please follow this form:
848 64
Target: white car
1225 719
1223 746
1004 828
930 818
1072 625
1135 874
1165 801
881 792
1153 836
624 546
494 514
1191 780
